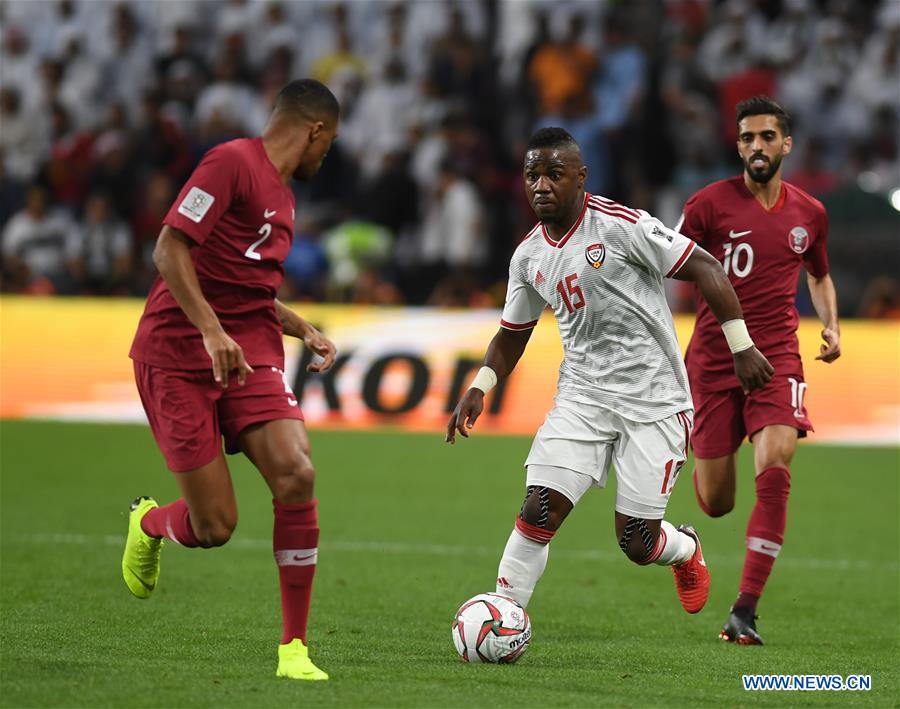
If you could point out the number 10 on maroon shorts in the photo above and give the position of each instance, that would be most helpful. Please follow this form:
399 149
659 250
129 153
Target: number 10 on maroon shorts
189 413
723 418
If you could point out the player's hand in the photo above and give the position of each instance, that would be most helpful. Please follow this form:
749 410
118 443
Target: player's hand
322 346
753 370
831 350
467 412
226 355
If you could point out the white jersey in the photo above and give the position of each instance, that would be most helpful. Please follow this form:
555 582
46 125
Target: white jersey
604 282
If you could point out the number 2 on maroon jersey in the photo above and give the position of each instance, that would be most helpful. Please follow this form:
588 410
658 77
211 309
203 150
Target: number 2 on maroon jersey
573 289
251 252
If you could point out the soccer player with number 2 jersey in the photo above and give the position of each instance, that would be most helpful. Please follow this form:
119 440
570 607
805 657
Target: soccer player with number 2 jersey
762 230
623 396
209 357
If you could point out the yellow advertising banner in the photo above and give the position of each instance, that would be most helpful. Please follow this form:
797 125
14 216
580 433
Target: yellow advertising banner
68 359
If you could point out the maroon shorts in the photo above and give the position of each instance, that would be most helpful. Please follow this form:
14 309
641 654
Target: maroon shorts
723 418
189 413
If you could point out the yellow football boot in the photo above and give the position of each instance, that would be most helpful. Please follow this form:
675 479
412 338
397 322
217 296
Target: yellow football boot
294 662
140 562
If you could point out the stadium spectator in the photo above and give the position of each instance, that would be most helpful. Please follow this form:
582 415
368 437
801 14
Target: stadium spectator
36 244
68 169
18 65
23 140
182 56
560 71
163 145
453 233
99 253
157 194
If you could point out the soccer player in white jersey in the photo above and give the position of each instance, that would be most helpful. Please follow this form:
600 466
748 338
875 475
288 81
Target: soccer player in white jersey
623 395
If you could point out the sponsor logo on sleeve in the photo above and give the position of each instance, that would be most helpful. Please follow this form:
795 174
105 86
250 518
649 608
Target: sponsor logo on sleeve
662 234
196 204
595 255
798 239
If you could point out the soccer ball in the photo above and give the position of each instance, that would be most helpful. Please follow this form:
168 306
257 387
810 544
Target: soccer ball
491 628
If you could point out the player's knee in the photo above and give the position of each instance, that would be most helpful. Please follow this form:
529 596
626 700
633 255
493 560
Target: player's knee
638 539
214 533
719 505
551 522
295 481
637 552
543 509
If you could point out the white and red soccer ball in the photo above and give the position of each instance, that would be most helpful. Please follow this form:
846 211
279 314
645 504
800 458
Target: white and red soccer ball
491 628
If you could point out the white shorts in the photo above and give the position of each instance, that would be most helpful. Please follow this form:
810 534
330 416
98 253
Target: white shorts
578 442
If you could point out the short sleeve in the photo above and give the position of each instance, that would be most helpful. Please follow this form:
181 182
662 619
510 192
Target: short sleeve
208 193
691 223
524 304
815 260
659 248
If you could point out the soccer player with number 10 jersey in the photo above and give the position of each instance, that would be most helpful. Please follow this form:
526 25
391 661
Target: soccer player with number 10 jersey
762 230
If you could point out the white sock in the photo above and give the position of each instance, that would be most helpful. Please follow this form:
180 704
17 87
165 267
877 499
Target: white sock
522 564
678 546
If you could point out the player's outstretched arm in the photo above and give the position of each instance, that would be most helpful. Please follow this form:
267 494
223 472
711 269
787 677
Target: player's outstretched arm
172 257
502 356
824 300
751 367
295 326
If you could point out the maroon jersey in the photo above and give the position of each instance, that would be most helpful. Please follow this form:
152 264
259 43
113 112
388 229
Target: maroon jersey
240 215
762 252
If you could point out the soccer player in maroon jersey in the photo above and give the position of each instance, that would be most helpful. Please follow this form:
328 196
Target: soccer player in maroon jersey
209 358
763 230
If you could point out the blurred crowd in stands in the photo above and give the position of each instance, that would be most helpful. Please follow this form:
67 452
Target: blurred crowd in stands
106 106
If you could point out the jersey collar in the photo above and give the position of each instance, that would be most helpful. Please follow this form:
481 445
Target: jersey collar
562 242
779 203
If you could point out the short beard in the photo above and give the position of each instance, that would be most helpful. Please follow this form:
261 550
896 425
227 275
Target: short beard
763 177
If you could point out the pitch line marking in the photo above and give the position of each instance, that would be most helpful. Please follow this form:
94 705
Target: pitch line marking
50 538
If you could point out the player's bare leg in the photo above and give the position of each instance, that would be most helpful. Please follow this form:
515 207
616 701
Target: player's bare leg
655 541
715 483
525 556
280 450
205 516
211 505
773 450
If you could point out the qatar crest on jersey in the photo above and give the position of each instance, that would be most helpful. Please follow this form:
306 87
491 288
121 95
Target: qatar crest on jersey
798 239
595 255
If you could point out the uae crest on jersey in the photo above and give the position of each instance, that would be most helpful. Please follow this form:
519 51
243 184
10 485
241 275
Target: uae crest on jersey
595 255
798 239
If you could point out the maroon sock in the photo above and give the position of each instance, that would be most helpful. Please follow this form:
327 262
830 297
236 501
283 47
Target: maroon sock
765 533
171 521
295 542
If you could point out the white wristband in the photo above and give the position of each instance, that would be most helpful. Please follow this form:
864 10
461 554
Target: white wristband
486 379
737 336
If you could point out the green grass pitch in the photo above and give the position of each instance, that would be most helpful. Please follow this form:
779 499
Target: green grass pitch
410 529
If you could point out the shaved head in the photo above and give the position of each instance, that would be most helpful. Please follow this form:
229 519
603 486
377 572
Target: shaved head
309 100
558 139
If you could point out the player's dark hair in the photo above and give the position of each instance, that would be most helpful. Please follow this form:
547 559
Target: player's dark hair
551 138
309 99
764 106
